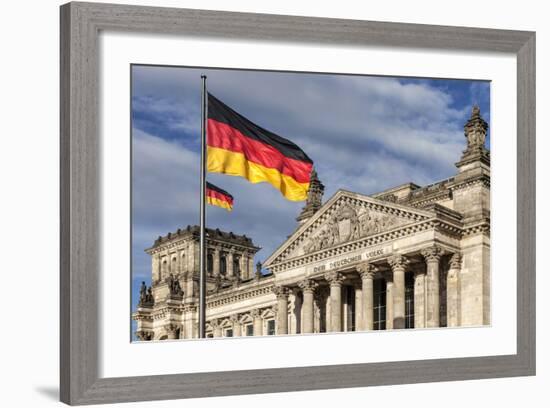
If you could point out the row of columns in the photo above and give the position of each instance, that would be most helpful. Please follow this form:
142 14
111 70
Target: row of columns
426 295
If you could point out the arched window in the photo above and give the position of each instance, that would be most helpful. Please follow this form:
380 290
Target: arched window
209 263
163 269
223 265
236 265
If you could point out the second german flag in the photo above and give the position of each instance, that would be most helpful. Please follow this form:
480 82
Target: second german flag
238 147
218 197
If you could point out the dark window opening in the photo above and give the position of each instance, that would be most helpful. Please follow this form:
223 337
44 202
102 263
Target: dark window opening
379 303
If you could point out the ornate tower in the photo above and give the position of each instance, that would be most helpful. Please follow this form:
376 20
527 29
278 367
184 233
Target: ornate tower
471 190
314 198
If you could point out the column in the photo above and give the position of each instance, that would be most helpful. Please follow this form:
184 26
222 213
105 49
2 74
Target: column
155 260
229 263
420 299
250 266
308 287
189 286
258 322
282 308
367 272
432 255
358 308
453 298
190 321
243 262
398 264
335 279
389 300
237 332
171 331
216 263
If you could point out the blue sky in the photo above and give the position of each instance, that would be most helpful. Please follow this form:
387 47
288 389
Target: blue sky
364 134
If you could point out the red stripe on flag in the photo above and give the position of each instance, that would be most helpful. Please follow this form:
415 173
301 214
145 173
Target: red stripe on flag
225 137
219 196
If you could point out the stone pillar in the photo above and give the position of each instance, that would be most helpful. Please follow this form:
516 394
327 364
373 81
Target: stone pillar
237 331
172 331
358 308
251 266
216 262
453 297
389 300
282 308
229 263
243 265
367 272
189 287
308 288
258 322
432 256
398 264
190 322
335 279
155 260
420 299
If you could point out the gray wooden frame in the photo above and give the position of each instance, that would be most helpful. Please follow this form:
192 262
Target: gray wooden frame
80 234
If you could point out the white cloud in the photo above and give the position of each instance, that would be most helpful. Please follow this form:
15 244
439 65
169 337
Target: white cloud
364 134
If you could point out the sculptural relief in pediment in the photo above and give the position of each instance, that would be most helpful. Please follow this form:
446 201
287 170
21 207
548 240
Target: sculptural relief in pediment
347 224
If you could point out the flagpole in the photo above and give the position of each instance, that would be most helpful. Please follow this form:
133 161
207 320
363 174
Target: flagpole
202 253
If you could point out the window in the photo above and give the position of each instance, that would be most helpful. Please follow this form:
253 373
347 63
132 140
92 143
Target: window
250 330
209 263
223 265
236 266
379 317
409 301
229 333
270 327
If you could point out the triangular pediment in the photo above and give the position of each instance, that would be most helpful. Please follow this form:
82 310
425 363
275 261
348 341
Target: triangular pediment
346 217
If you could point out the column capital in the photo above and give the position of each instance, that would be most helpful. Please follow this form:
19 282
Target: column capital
144 335
256 313
308 285
367 270
398 261
456 261
171 328
432 254
234 318
281 292
334 278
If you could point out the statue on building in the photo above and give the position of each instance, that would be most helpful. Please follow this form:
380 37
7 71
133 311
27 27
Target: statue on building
475 131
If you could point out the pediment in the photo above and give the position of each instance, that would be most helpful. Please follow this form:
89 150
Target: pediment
346 217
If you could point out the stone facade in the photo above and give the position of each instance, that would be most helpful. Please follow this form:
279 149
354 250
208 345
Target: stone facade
407 257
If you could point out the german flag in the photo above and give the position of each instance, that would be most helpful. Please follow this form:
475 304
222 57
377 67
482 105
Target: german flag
217 196
238 147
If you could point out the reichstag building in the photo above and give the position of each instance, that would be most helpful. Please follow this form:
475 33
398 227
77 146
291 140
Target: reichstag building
408 257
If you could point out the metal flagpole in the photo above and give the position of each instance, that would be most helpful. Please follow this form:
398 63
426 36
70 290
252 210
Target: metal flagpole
202 255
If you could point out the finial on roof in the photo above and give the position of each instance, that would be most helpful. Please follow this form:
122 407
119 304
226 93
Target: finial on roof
314 199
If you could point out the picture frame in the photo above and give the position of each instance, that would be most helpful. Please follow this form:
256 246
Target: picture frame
81 24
